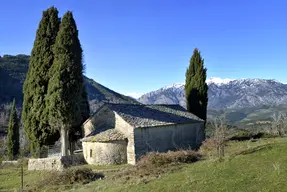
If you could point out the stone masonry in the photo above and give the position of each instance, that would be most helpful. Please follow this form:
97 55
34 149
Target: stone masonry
55 163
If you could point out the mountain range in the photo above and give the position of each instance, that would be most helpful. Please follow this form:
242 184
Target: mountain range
225 94
240 101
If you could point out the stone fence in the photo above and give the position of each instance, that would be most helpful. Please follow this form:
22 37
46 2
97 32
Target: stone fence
56 163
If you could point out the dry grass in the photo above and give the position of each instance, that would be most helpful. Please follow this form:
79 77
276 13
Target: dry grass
67 178
171 157
153 165
208 148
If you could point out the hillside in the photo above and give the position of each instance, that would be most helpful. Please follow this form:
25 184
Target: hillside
260 166
13 70
247 166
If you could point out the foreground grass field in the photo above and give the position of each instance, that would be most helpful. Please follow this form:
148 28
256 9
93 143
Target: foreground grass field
248 166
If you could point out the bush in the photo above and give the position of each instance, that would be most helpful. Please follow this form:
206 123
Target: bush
240 136
158 159
243 136
154 164
76 175
68 177
266 135
208 147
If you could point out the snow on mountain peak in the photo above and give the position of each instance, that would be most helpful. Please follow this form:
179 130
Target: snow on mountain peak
218 80
214 80
175 85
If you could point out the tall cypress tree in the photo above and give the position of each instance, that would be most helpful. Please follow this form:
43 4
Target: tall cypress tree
196 87
36 84
66 97
13 134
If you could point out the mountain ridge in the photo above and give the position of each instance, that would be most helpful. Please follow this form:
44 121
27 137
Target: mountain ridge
225 93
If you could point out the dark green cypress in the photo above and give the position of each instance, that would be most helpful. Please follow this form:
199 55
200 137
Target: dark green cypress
77 133
65 92
196 87
13 134
36 84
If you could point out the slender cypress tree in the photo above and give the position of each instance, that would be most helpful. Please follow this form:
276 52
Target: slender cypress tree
65 91
196 87
76 133
36 84
85 112
13 134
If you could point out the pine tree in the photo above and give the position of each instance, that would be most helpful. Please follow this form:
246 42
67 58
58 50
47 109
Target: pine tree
35 86
196 87
66 99
13 134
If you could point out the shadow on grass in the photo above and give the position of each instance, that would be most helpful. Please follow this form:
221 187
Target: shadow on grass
254 149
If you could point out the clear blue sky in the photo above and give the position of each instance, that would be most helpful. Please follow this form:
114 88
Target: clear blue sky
139 46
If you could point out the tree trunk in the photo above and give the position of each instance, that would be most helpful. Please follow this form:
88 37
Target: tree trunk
64 141
72 147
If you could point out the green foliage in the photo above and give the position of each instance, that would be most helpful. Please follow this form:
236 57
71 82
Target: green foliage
67 99
13 71
85 112
13 134
12 74
196 87
15 66
36 83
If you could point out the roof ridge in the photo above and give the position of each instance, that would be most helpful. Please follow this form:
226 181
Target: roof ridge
141 115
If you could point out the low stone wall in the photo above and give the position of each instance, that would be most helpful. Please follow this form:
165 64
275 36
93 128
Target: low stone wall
8 163
56 163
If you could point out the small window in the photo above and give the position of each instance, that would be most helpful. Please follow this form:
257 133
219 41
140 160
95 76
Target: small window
91 152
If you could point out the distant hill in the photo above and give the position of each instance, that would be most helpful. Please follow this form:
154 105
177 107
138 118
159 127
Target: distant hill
13 71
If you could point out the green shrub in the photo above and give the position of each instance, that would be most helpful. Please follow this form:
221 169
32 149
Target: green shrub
240 136
245 135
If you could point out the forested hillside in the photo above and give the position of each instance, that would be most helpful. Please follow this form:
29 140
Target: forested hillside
13 70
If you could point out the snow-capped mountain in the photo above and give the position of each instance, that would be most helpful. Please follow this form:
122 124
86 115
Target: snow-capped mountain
218 81
225 93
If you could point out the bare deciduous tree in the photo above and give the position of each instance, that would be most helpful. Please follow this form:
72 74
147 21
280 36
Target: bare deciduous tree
220 134
3 145
279 124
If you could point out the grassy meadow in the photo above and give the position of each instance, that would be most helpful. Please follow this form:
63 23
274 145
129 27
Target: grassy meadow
259 165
